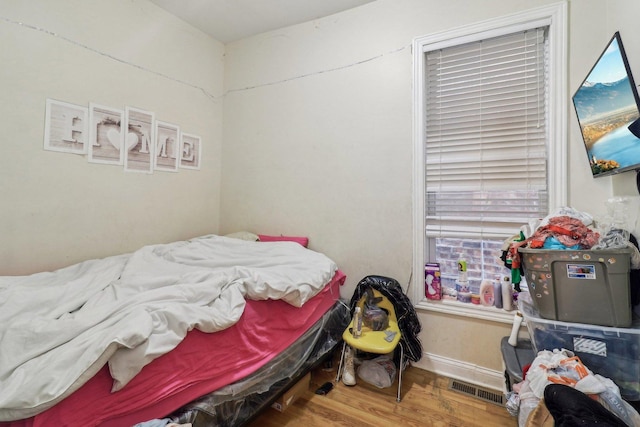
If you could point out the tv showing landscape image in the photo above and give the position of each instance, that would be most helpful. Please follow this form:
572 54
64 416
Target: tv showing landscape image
607 107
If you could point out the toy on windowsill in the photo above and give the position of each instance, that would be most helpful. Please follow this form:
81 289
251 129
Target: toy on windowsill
511 259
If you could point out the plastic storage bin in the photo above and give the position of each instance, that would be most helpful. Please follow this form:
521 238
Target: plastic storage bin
580 286
515 359
611 352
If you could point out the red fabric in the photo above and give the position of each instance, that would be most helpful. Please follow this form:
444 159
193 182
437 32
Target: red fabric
525 369
304 241
569 231
200 364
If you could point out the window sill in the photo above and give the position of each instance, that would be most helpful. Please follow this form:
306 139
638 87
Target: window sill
461 309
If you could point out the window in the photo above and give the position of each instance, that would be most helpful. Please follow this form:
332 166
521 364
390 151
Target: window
490 120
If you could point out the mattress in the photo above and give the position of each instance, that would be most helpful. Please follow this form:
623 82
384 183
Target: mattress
239 403
201 363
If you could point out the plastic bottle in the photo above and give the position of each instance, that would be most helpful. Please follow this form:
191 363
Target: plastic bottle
497 292
357 323
462 269
464 296
487 297
517 321
507 293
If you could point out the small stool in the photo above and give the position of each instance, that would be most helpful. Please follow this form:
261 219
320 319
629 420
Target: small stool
515 358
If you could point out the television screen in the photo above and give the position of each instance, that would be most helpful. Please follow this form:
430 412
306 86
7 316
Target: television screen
607 108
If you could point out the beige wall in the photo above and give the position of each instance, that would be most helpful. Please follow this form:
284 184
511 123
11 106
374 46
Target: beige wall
318 142
57 208
317 136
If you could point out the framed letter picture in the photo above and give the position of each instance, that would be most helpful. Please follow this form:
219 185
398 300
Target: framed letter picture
190 151
106 138
167 148
138 140
66 127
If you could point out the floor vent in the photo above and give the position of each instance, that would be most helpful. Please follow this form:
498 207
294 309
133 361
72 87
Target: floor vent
475 391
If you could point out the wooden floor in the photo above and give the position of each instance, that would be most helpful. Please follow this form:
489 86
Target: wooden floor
426 401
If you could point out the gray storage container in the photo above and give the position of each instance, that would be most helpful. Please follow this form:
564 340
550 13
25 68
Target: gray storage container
580 286
515 359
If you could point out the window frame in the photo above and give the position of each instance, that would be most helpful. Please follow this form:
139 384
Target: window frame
553 16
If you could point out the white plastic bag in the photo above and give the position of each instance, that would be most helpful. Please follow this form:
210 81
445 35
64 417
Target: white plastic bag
379 372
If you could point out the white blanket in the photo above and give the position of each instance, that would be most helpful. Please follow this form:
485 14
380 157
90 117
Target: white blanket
57 329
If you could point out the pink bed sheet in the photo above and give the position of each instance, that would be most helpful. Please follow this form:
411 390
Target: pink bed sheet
200 364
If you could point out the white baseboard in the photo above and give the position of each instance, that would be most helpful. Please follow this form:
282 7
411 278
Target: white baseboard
462 371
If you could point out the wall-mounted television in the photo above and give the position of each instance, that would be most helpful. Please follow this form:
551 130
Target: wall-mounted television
607 106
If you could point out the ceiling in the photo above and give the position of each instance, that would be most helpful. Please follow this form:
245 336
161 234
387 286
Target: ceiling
231 20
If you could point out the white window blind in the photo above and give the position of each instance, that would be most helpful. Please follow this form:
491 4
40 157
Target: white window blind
486 135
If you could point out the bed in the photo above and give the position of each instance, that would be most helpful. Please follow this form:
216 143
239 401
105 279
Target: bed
208 331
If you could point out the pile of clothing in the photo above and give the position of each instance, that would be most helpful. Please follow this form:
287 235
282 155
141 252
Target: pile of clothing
568 228
559 390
